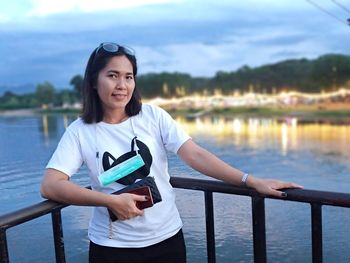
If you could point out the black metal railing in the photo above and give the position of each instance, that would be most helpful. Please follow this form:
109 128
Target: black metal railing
316 199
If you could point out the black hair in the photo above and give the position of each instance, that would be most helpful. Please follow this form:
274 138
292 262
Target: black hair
92 111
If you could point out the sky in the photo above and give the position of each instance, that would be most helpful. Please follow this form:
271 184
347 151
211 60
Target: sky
49 40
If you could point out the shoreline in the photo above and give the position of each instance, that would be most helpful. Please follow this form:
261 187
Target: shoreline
306 112
19 112
301 111
36 111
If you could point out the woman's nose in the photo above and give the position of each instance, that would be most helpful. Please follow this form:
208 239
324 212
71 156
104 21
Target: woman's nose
121 83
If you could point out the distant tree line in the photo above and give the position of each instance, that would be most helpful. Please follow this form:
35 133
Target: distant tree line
326 73
45 95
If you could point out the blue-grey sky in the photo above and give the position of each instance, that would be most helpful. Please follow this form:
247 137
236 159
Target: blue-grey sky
49 40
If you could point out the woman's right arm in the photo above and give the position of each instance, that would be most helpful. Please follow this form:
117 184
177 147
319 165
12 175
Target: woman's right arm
57 187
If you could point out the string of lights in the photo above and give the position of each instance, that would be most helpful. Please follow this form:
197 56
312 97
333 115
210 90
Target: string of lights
254 99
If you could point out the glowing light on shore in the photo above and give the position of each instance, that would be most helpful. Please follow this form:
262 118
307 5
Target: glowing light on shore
250 99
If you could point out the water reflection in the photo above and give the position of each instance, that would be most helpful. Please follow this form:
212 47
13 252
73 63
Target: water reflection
285 135
50 125
314 154
289 134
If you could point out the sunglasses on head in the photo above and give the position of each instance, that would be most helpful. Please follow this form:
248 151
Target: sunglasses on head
113 48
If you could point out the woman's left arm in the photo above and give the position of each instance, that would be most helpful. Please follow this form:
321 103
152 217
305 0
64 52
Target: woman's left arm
207 163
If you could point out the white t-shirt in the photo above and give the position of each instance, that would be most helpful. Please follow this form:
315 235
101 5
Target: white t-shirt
156 129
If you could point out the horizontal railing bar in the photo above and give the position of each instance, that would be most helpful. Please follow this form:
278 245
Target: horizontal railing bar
298 195
28 213
314 197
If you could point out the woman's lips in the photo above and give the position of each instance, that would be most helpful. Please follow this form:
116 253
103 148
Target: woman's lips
119 96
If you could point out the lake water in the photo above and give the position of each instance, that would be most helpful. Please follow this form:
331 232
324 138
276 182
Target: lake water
314 154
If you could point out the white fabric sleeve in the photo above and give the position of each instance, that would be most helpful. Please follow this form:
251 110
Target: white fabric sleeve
67 157
172 133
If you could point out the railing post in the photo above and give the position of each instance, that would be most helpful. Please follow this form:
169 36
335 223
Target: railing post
58 236
209 219
259 234
4 255
316 228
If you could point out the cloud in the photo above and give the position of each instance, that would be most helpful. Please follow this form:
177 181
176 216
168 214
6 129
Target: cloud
45 7
195 37
4 18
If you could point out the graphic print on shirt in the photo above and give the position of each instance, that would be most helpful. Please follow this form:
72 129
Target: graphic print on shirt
109 161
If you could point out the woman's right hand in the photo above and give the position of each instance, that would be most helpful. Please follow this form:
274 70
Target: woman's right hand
57 187
124 205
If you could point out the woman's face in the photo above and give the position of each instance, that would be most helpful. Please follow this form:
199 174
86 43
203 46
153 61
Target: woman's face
115 84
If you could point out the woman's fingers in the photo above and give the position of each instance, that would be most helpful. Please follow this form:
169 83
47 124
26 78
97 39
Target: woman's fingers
127 208
271 187
277 193
294 185
140 198
276 184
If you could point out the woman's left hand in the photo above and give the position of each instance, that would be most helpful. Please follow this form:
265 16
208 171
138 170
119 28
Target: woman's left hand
270 186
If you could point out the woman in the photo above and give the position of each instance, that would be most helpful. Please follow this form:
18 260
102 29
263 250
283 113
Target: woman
113 127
